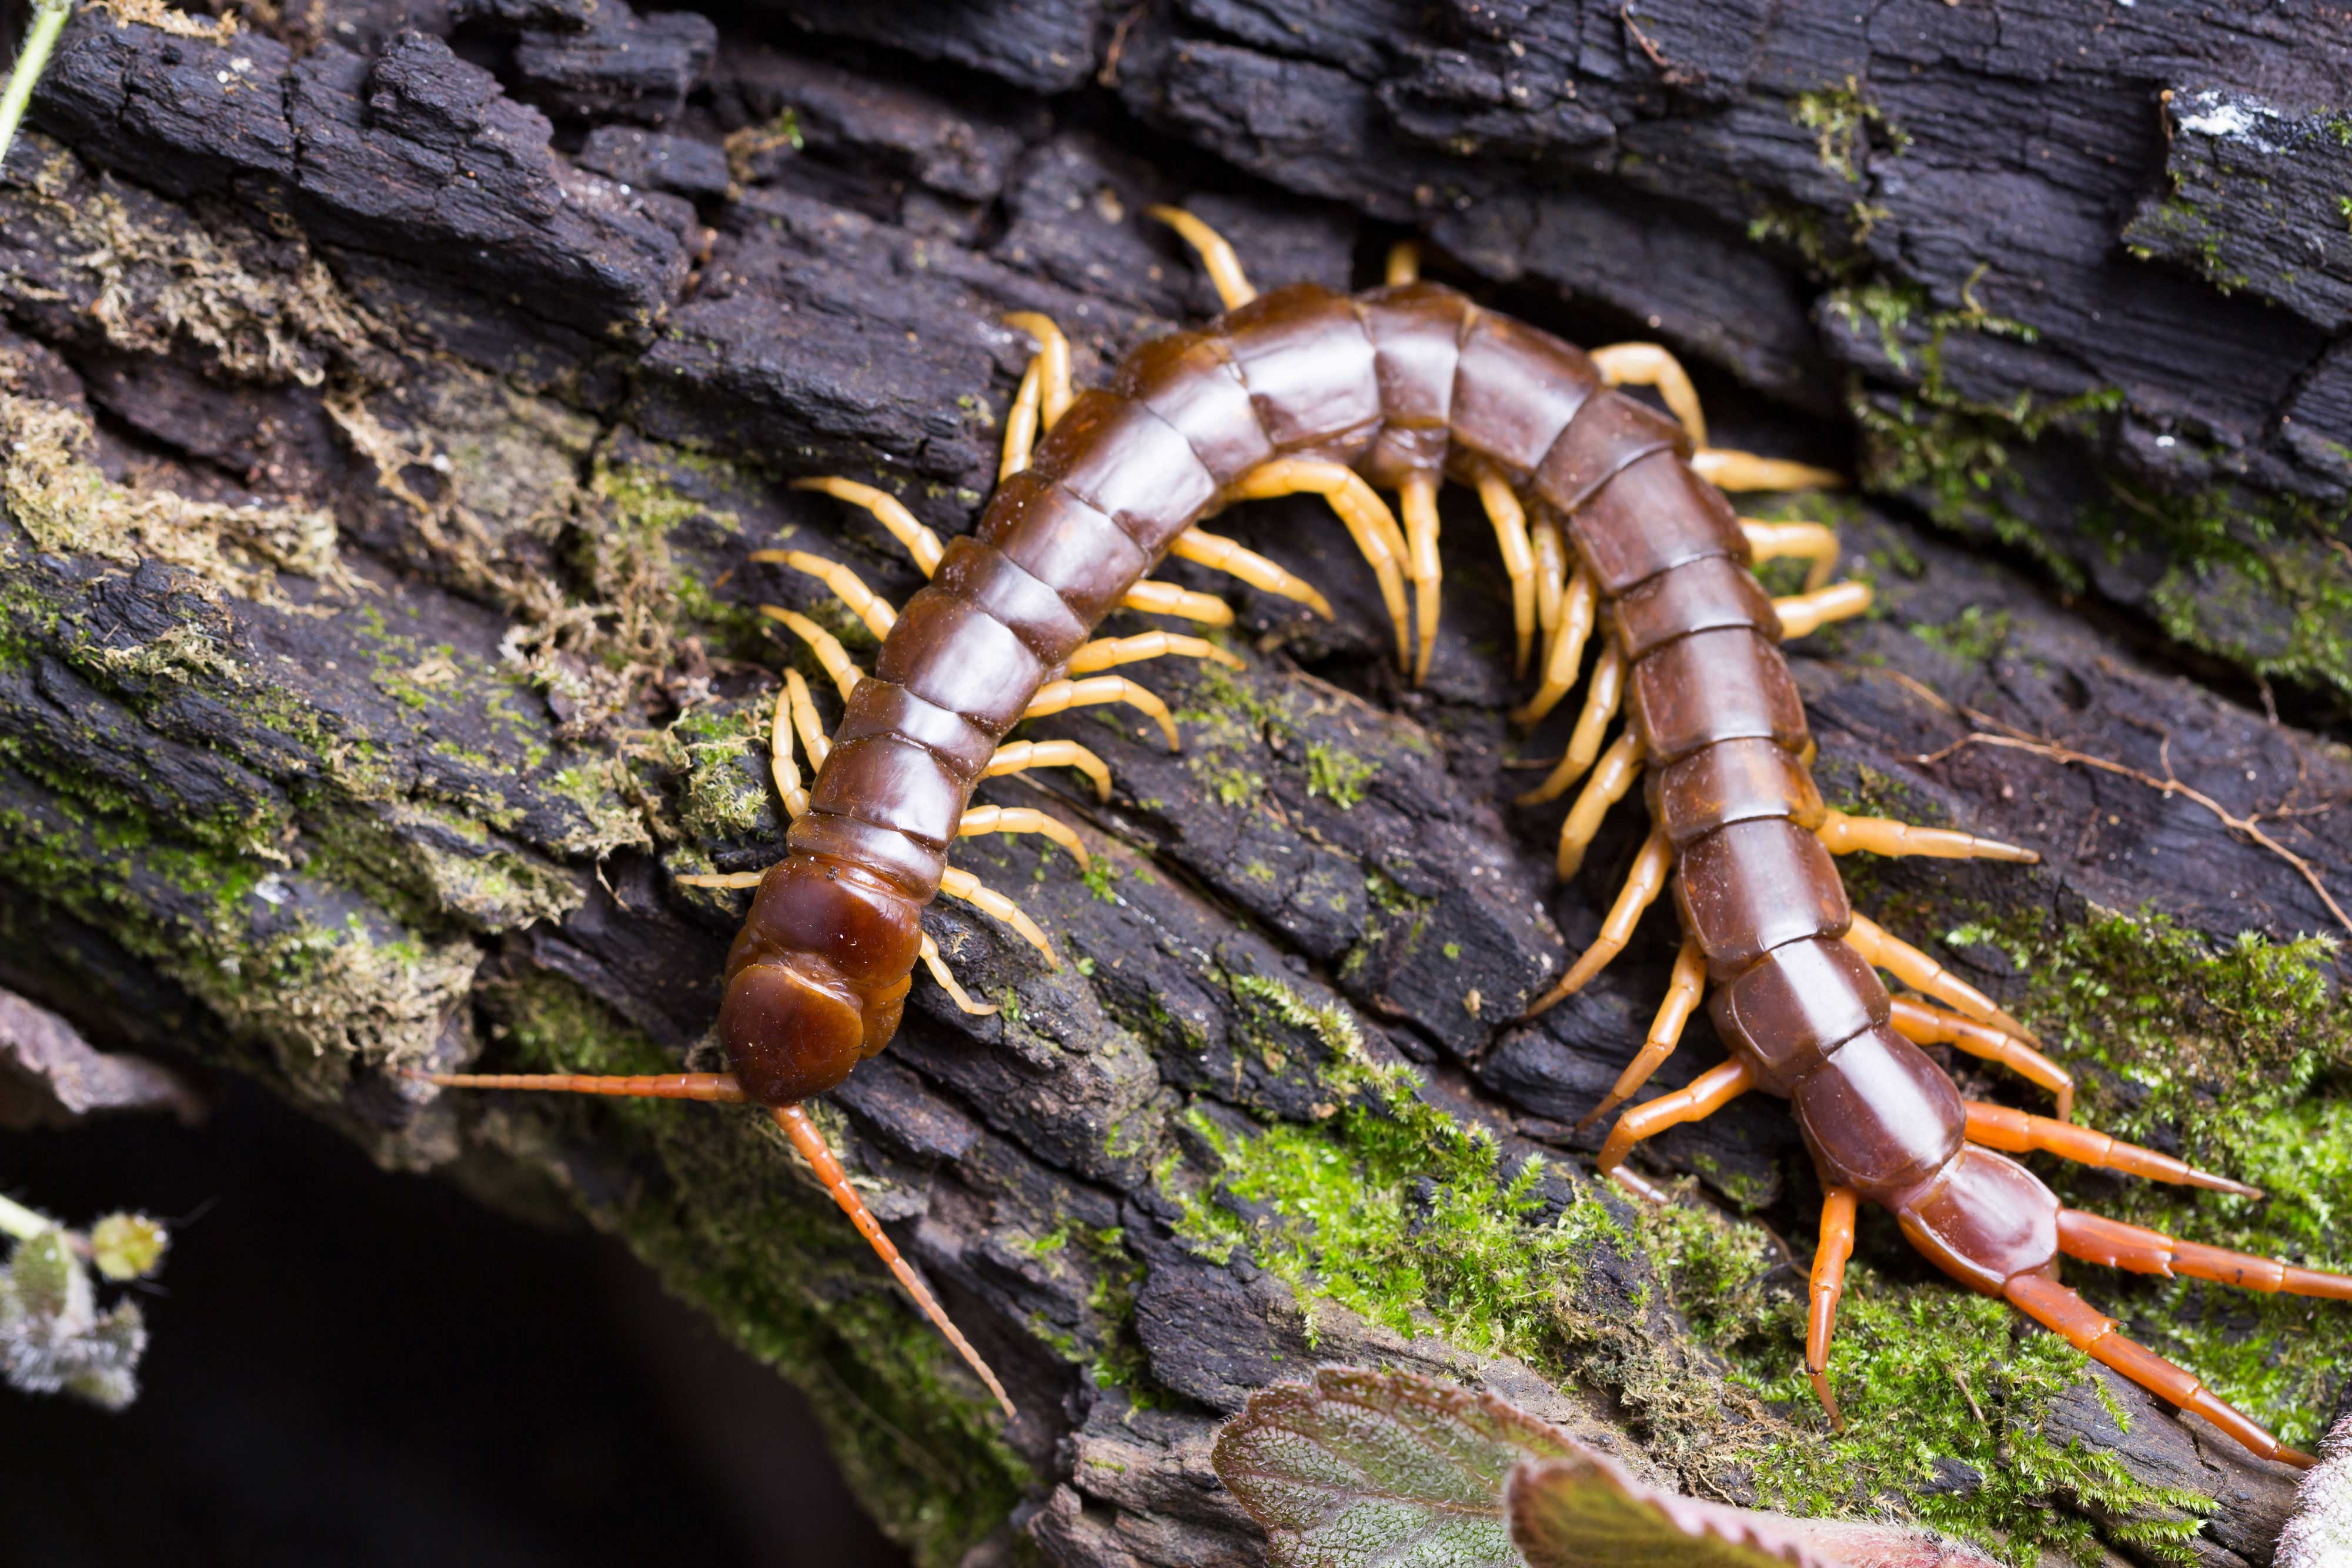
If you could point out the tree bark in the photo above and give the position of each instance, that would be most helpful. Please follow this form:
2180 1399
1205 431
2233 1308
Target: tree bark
393 401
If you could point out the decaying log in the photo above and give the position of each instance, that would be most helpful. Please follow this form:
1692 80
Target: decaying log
390 399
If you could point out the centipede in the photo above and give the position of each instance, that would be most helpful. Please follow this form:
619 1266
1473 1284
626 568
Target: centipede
1618 540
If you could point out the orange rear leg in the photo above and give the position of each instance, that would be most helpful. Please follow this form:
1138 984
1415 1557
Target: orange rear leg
2097 1239
1828 1285
2014 1131
2088 1330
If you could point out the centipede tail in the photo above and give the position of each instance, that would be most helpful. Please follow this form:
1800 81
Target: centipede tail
1612 527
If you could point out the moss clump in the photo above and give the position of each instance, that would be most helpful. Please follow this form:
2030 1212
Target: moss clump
1972 636
722 755
733 1224
1338 776
66 505
1845 122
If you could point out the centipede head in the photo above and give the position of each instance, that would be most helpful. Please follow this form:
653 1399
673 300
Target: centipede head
817 977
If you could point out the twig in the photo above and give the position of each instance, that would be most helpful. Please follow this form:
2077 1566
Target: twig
2018 740
40 41
1670 73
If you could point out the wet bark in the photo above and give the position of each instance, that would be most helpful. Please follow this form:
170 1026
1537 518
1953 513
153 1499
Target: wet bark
478 343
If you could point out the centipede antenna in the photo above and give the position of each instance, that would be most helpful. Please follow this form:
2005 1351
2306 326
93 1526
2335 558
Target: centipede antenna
717 1087
810 1143
1217 257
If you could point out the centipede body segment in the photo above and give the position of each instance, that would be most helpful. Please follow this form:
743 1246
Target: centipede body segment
1614 527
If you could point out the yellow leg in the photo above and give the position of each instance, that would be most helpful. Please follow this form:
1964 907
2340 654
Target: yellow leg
1022 819
1368 518
805 720
1404 262
1578 606
1921 973
1420 498
1923 1025
1641 890
1708 1092
962 885
1648 365
1806 613
917 540
1021 422
1683 993
1584 740
1551 575
1225 268
780 766
1104 651
1053 363
1153 598
1020 756
730 881
1841 834
956 994
1815 543
1220 554
1510 520
847 586
823 644
1729 470
1619 768
1055 696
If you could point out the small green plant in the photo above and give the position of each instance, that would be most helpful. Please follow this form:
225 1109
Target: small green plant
53 1337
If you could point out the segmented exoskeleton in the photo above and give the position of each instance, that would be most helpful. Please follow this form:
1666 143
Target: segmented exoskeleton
1610 515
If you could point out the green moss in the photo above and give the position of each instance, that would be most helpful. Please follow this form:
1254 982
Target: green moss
1845 122
724 791
1338 776
733 1223
1972 636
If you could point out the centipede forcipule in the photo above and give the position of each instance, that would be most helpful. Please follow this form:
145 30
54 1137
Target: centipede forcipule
1616 535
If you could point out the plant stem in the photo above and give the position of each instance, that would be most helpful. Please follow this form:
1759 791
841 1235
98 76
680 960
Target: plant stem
20 1222
48 21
